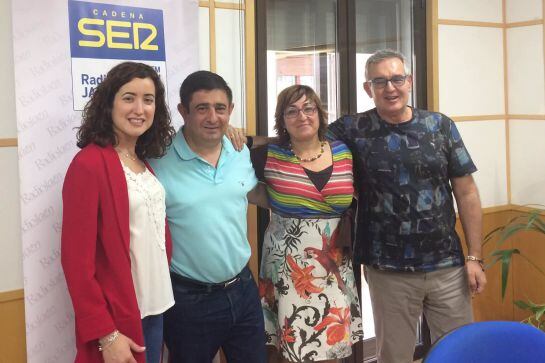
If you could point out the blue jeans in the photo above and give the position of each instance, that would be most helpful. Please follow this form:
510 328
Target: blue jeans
153 337
203 320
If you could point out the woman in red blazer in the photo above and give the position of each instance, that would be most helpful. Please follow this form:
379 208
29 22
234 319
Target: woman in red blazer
115 242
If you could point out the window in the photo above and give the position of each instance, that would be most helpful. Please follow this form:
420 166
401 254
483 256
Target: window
301 49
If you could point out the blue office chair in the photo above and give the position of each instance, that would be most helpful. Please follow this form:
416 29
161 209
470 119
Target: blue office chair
490 342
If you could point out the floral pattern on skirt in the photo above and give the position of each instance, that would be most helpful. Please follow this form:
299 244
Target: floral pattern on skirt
307 289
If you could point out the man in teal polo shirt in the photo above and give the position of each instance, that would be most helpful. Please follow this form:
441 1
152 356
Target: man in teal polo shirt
208 185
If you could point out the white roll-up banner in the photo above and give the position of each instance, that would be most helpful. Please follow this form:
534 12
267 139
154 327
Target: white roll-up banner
62 50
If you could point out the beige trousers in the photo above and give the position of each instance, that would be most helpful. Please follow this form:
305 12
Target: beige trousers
399 298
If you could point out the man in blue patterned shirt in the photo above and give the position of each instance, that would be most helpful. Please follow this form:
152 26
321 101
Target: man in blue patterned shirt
408 163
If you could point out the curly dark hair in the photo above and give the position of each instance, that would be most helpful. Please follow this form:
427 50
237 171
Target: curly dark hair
97 124
289 96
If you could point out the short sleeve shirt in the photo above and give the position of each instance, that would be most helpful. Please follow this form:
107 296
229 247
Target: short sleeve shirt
406 217
206 210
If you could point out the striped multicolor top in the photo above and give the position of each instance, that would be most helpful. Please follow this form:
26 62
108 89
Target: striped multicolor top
292 193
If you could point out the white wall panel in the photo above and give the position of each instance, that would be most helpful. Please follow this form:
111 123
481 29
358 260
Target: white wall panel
204 38
230 58
11 262
485 141
527 153
8 128
522 10
473 10
525 70
470 70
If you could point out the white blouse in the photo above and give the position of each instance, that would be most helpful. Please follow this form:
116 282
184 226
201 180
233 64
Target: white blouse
149 263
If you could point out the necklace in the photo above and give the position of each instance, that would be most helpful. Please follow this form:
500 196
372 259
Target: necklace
308 160
126 155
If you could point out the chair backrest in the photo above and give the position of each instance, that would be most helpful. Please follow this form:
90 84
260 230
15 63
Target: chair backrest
490 342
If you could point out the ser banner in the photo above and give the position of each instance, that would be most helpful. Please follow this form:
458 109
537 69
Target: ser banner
103 34
62 50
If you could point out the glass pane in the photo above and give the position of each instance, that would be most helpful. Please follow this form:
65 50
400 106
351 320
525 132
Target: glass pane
301 43
204 38
238 2
230 61
381 24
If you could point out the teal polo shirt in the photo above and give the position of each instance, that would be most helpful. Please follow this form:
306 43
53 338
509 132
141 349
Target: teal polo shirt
206 209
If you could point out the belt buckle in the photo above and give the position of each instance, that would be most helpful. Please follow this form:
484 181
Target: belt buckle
229 283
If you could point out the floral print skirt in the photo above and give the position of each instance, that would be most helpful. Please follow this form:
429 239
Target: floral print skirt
308 292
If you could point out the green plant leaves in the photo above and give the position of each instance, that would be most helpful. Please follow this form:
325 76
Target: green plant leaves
505 257
532 221
538 311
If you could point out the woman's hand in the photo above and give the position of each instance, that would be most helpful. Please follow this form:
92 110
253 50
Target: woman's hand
120 350
236 136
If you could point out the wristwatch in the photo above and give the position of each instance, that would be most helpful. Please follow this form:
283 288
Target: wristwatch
476 259
473 258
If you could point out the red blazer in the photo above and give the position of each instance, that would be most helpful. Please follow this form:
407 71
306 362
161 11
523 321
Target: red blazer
95 251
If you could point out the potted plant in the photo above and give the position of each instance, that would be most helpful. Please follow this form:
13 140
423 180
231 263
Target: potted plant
533 221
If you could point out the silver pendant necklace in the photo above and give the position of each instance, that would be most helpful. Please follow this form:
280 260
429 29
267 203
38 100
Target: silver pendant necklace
126 154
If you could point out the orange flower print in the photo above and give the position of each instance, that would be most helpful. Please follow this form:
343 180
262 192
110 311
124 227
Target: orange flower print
288 333
302 279
338 321
266 291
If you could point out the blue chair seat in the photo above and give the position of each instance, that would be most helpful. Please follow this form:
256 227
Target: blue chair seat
490 342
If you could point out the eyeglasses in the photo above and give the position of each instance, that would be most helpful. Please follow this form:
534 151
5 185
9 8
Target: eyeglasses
397 81
293 112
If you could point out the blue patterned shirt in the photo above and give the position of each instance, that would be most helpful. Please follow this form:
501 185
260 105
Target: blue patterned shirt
406 218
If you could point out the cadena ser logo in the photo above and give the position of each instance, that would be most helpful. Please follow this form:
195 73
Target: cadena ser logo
115 32
102 35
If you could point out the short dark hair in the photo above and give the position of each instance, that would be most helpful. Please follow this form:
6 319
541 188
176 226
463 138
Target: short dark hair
97 123
202 80
291 95
383 54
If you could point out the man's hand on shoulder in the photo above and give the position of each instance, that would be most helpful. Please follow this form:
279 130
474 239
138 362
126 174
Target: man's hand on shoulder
237 137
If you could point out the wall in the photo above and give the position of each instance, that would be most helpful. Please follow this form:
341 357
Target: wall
526 99
12 332
10 259
226 38
487 72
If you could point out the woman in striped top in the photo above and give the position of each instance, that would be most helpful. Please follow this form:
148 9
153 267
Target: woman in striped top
306 283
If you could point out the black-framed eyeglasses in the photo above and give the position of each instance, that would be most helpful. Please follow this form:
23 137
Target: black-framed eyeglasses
380 82
293 112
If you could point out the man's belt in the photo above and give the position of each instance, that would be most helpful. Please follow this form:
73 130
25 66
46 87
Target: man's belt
186 281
